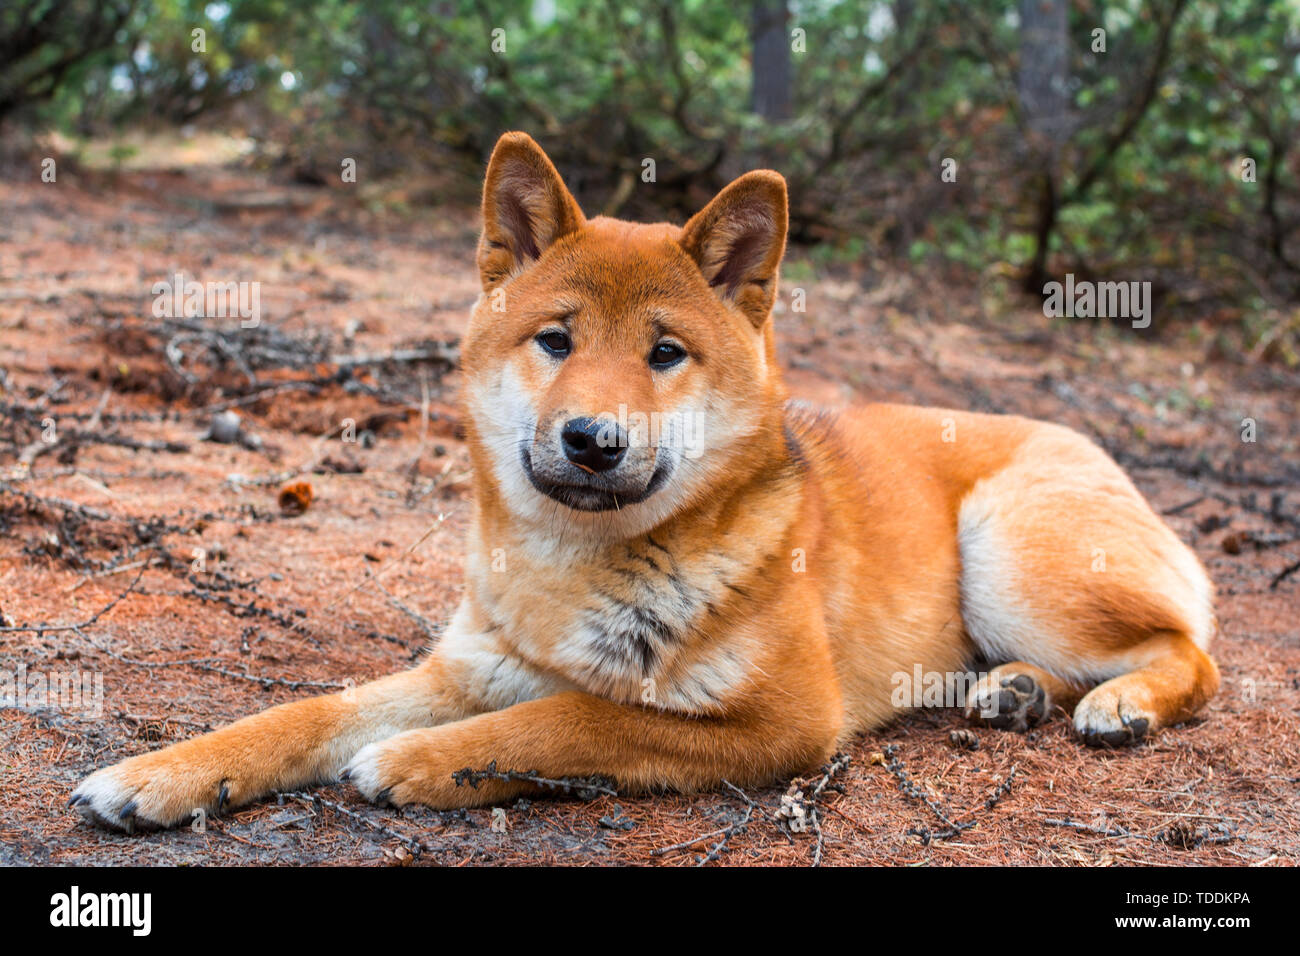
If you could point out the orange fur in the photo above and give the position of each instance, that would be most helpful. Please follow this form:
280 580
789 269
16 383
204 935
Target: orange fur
736 613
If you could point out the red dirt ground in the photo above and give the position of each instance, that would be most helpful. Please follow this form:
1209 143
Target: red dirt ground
345 590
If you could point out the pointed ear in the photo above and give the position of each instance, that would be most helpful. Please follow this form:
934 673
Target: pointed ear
738 240
526 207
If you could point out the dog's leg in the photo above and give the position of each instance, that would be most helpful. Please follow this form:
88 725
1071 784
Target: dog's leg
573 734
1065 566
287 746
1172 683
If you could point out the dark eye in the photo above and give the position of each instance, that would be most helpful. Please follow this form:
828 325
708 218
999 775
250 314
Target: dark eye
556 343
666 355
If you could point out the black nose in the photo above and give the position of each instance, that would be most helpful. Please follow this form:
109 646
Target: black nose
593 444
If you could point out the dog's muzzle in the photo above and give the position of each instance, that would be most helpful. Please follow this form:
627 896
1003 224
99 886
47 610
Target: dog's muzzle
594 471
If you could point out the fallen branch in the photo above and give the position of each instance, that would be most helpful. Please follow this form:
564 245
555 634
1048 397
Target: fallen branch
1090 828
740 826
431 630
206 664
1178 509
584 788
797 811
1283 575
266 681
316 802
1181 835
909 788
90 621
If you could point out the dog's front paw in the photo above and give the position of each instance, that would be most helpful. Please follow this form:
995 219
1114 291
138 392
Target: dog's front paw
377 771
149 792
420 766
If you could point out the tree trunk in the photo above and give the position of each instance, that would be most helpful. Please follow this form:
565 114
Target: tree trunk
1048 207
770 60
1043 88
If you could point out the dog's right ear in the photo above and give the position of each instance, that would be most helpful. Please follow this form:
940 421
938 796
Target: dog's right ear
526 207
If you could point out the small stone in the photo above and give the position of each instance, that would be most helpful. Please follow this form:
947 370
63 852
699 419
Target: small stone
224 428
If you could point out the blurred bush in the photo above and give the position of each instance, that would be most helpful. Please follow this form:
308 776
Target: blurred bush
1162 148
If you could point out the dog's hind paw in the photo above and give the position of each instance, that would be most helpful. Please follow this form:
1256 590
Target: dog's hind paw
1007 701
1105 719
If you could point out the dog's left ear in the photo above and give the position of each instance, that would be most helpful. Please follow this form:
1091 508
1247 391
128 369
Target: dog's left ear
738 240
526 207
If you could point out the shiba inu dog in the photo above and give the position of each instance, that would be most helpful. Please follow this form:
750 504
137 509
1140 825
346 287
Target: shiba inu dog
675 576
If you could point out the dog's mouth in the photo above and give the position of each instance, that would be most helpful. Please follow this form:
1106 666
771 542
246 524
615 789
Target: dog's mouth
592 491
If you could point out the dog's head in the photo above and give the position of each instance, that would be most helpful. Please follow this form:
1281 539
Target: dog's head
617 372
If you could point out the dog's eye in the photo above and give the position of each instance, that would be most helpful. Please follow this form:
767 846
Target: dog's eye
556 343
666 355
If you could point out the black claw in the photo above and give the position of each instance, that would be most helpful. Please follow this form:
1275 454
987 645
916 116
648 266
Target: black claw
344 774
1134 730
76 799
127 810
381 798
221 797
1112 738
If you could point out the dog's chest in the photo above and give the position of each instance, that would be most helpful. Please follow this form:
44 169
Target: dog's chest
631 623
630 628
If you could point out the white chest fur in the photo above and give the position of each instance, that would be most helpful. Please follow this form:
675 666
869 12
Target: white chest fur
626 629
